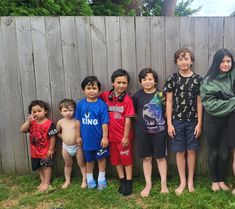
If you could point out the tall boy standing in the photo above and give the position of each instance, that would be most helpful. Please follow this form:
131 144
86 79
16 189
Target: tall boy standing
121 110
184 116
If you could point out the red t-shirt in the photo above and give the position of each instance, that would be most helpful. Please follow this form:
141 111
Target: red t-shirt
118 111
40 138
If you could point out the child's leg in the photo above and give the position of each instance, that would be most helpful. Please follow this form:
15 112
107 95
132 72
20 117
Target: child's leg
68 162
147 168
191 160
41 175
101 177
47 172
128 186
181 163
162 167
81 164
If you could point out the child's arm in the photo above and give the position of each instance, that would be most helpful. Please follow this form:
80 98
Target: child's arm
198 128
25 126
59 129
169 103
125 139
51 150
104 140
79 138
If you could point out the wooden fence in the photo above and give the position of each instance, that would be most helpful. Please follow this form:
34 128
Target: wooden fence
47 57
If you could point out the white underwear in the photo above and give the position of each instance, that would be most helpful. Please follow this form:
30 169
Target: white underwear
71 149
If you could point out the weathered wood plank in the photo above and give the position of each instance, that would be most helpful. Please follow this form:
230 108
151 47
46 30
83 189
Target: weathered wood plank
14 150
99 54
113 46
158 48
56 72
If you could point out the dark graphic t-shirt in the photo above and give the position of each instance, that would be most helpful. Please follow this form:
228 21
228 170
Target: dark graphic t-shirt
185 91
150 112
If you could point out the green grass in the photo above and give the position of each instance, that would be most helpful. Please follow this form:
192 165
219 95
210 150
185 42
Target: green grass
20 192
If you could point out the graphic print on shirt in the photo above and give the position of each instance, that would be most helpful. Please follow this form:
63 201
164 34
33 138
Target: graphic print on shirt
153 115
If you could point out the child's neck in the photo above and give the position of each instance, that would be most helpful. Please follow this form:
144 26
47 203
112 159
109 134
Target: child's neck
150 91
91 99
186 73
41 120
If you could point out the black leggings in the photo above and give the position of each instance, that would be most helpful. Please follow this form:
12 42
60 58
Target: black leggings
218 152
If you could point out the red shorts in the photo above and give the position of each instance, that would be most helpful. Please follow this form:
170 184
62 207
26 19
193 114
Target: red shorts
120 155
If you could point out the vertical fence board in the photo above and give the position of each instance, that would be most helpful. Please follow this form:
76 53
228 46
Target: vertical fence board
201 67
14 145
99 54
113 45
229 34
27 76
84 51
158 48
56 72
143 42
69 47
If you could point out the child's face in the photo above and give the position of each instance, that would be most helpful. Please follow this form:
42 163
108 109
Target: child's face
67 112
120 85
38 113
148 83
184 62
226 64
91 92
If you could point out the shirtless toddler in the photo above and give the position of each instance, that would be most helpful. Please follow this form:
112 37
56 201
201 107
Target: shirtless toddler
67 129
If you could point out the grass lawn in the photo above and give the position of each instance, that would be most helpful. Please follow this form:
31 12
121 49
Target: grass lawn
20 192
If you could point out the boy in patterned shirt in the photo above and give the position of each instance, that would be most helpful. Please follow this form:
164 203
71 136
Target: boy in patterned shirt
184 116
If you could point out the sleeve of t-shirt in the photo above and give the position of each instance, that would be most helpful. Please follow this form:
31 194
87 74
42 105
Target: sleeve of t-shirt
77 114
52 130
199 84
104 114
129 108
169 84
134 98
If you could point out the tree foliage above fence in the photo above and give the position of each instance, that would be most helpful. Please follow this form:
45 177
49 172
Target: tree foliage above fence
91 7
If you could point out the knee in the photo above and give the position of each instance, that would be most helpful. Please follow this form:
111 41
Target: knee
68 163
147 159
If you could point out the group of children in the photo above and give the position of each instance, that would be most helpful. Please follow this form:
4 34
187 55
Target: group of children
100 125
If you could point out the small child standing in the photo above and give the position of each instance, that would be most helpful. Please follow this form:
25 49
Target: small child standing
42 141
67 129
120 137
150 128
92 115
184 116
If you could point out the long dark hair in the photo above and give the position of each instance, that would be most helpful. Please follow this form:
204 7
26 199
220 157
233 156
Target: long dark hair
218 58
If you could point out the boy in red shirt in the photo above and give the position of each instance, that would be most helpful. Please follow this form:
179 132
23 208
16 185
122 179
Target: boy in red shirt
120 137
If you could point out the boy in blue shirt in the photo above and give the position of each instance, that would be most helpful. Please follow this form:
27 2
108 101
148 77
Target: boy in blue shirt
92 114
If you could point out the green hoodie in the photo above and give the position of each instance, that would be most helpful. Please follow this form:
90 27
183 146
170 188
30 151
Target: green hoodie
217 95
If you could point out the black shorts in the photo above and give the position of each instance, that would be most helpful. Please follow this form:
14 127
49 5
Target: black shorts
41 163
152 145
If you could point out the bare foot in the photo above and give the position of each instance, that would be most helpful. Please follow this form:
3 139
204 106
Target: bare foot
39 186
223 186
191 187
44 188
180 189
65 185
164 189
233 192
145 192
215 187
84 184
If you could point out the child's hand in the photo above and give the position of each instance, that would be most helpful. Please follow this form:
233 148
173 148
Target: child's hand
104 142
50 153
171 131
125 141
198 131
30 118
79 141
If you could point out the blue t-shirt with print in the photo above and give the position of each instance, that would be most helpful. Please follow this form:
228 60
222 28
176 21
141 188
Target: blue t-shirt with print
92 115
